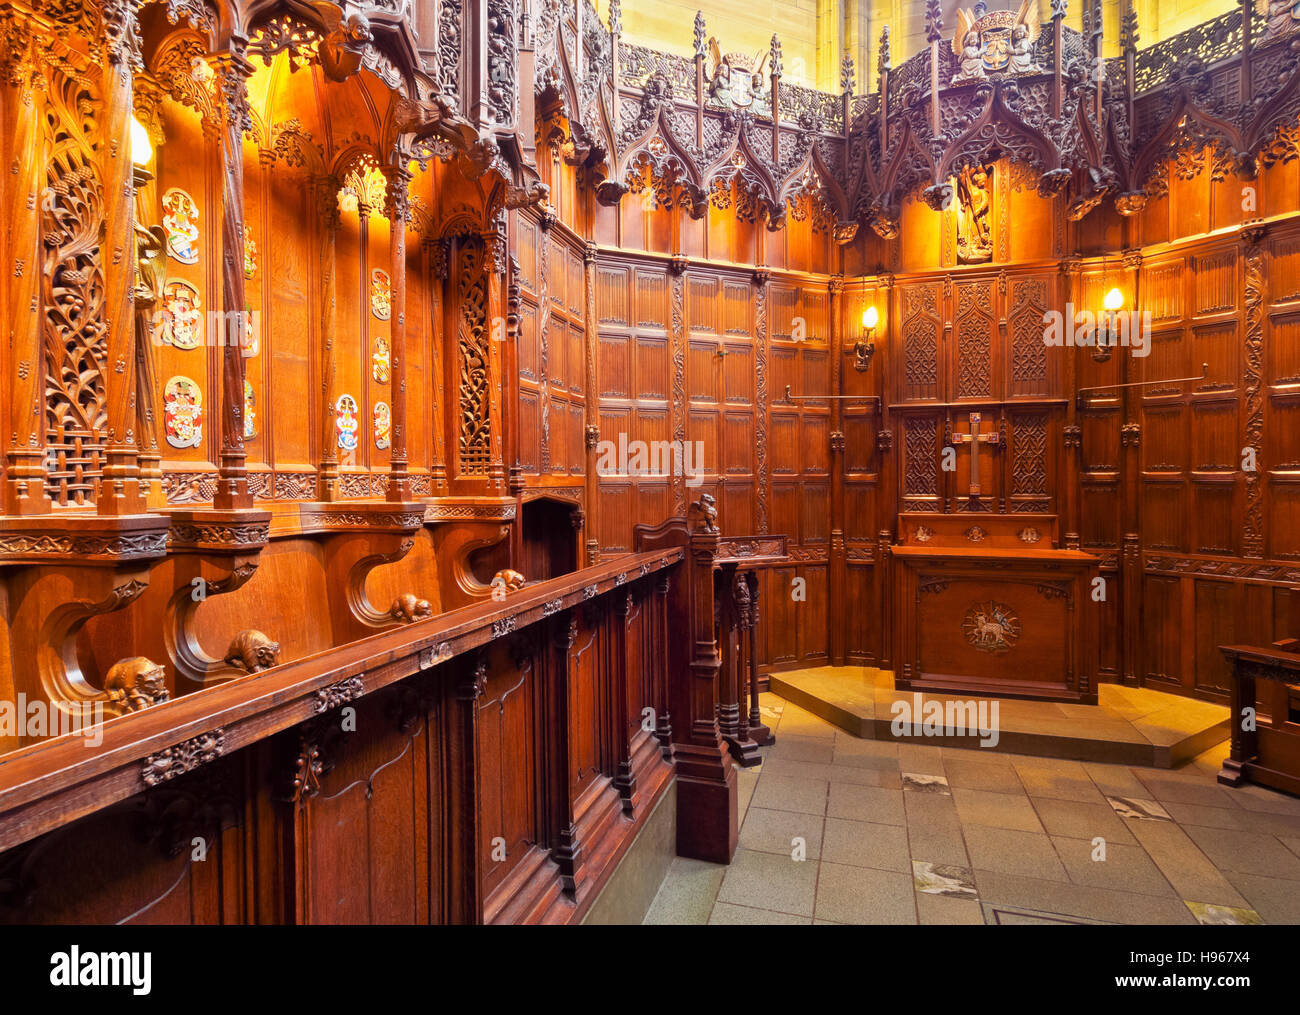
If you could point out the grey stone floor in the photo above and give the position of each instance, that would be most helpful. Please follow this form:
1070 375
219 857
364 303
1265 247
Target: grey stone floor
840 830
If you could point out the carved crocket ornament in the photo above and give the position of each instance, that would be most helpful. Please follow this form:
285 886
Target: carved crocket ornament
136 683
252 651
408 608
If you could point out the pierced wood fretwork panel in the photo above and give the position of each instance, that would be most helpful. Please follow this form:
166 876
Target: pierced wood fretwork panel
474 438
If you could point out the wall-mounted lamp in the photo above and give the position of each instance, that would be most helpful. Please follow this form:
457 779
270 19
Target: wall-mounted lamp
1111 303
864 349
141 147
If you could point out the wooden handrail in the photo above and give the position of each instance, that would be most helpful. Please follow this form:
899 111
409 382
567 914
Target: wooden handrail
48 784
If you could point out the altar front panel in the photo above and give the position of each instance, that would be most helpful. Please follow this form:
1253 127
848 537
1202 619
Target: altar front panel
1013 624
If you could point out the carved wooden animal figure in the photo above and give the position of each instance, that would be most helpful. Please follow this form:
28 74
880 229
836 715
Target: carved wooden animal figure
708 509
512 580
252 651
136 683
407 609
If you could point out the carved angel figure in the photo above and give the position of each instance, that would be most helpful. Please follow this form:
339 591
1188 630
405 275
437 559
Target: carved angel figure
136 683
1283 16
971 55
1022 52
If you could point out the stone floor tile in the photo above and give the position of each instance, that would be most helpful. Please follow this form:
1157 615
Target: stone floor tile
1029 854
866 844
768 831
999 810
867 803
864 895
769 881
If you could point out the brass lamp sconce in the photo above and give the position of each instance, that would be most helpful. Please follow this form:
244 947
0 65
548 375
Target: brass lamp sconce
1112 304
864 348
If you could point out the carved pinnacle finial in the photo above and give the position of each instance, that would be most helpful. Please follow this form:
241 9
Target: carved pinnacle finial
775 61
933 21
882 62
1128 29
699 33
1059 8
846 73
615 17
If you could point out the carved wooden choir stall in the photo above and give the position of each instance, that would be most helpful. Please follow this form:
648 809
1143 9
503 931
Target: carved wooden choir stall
428 423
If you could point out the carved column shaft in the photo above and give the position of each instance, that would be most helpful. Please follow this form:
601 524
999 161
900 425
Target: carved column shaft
151 263
119 491
591 430
494 255
838 559
233 72
24 491
327 475
397 209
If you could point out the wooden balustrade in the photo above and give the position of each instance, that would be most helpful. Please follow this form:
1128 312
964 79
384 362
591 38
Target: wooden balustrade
491 764
1264 719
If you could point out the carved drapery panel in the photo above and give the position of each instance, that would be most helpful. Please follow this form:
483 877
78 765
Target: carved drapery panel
475 436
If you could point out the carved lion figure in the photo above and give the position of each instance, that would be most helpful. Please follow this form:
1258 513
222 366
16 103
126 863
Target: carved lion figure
708 510
252 651
136 683
407 609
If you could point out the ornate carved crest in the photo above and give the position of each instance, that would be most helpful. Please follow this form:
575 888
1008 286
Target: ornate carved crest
182 323
1001 42
345 422
183 413
737 81
180 219
381 297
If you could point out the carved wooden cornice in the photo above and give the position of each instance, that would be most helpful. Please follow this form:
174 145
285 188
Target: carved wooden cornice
1181 95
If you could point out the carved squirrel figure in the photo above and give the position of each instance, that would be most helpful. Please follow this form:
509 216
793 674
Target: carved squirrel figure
252 651
512 580
407 609
136 683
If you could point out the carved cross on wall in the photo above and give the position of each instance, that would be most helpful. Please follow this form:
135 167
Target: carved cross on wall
975 439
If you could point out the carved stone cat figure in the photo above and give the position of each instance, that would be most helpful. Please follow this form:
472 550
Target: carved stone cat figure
252 651
136 683
407 609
